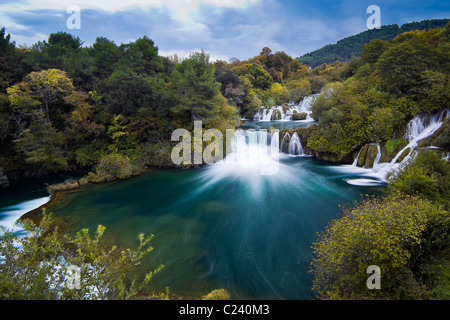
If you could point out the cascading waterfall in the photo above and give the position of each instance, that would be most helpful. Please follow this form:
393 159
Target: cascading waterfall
378 157
355 162
280 113
285 142
295 145
11 214
419 128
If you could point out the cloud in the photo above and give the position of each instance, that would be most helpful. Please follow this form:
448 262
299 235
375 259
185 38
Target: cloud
179 6
225 29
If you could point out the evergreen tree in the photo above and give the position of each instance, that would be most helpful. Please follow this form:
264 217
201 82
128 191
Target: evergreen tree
196 90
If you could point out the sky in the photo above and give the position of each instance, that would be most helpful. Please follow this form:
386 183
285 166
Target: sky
224 29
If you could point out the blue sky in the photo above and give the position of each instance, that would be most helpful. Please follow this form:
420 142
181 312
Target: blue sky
224 29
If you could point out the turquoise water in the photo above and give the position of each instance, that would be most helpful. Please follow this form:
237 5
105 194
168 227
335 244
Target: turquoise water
223 227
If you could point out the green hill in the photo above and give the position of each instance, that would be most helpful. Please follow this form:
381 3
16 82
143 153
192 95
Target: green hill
350 47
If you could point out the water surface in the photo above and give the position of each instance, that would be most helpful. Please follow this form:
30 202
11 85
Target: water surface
223 226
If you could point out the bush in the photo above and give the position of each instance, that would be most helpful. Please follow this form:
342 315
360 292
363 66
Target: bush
384 232
114 166
38 266
218 294
427 176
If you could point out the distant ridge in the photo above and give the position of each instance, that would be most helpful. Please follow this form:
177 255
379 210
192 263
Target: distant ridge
350 47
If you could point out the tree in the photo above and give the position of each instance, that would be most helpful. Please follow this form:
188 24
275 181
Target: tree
257 75
266 51
128 91
53 53
6 46
106 54
141 56
40 89
37 137
402 64
79 121
226 76
43 147
195 88
373 50
12 69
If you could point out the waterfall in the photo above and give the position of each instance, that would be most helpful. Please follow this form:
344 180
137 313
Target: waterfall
275 143
280 113
253 149
420 127
10 215
355 162
285 143
295 145
377 159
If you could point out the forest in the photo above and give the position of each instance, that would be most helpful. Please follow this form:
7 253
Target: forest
65 106
351 47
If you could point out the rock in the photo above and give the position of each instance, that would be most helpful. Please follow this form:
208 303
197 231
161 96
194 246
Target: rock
391 148
299 116
362 156
403 155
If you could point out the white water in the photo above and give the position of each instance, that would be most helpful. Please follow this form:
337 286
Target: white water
295 145
278 113
419 128
13 213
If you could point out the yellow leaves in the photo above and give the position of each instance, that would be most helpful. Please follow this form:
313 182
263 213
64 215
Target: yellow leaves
276 89
53 80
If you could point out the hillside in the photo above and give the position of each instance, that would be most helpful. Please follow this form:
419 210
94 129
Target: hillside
350 47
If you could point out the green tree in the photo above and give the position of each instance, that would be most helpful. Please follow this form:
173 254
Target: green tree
195 88
141 56
52 54
43 147
257 75
128 91
106 54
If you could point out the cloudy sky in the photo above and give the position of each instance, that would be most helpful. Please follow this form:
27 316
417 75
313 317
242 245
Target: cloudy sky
223 28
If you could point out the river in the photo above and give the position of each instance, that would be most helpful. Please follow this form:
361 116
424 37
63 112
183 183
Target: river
219 226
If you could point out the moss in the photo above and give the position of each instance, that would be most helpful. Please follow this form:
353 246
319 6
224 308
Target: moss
442 136
403 155
362 156
299 116
372 152
391 148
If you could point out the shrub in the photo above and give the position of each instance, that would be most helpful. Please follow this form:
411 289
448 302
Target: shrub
114 166
379 231
218 294
38 266
427 176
